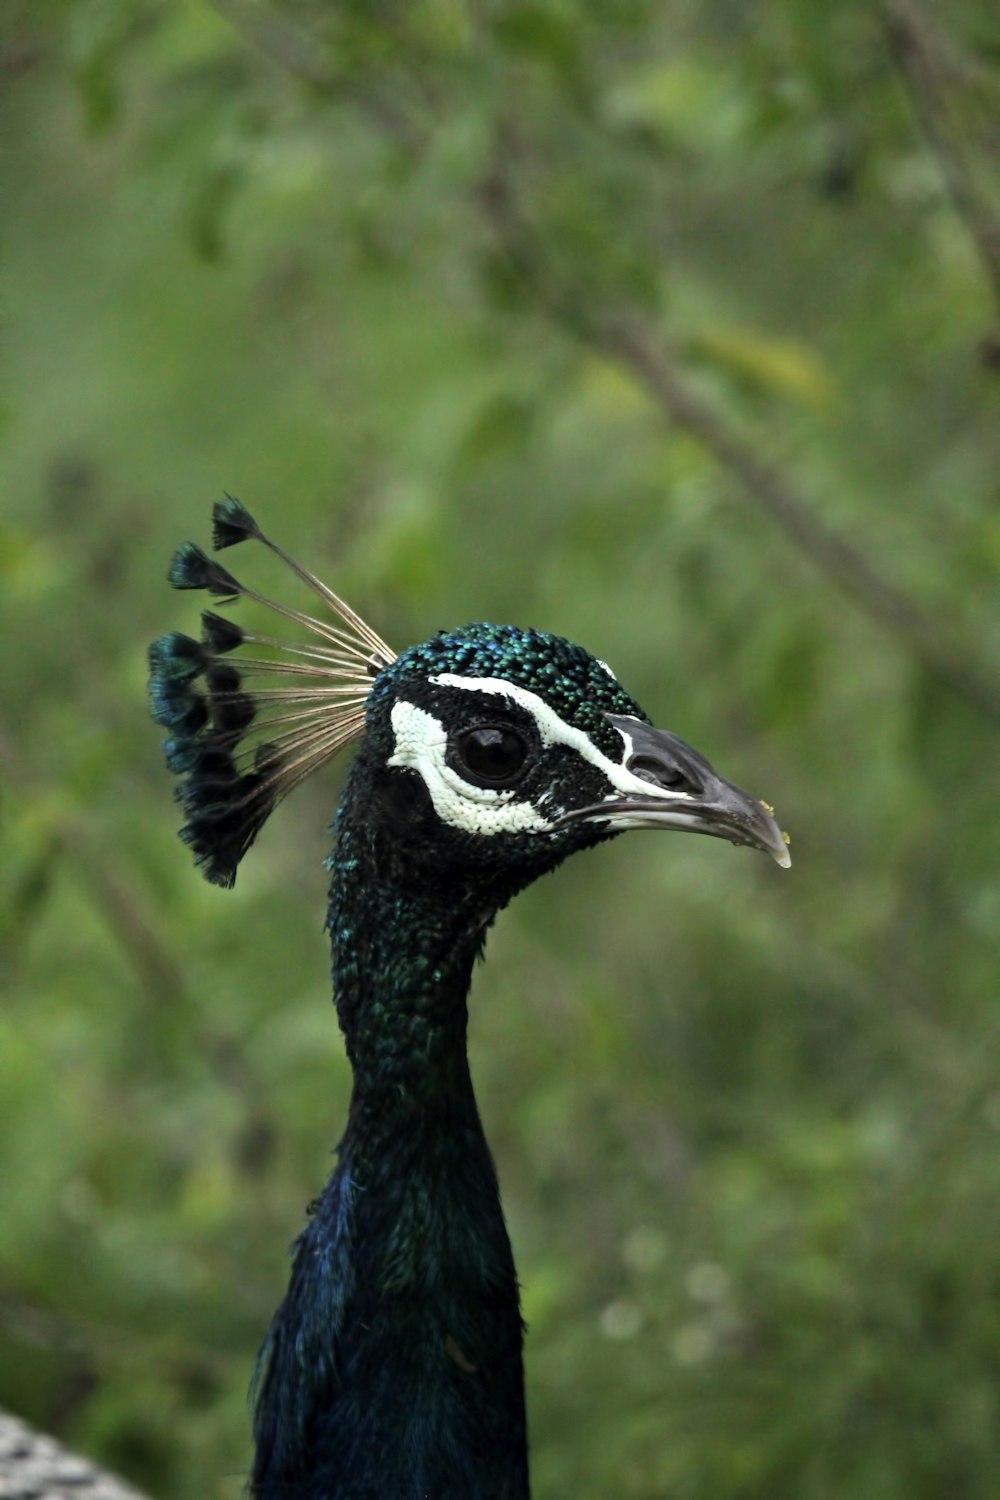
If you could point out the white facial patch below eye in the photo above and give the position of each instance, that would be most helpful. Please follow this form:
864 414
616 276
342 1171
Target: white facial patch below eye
422 746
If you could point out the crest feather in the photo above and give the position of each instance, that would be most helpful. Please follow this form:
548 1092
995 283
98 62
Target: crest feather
239 747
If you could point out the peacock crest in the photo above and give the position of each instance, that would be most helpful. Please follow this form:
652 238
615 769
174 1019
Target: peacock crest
243 731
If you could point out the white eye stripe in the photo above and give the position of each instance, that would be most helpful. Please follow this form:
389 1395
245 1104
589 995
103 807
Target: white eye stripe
422 746
555 731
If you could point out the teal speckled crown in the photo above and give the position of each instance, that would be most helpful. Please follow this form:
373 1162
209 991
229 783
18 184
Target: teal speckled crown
574 684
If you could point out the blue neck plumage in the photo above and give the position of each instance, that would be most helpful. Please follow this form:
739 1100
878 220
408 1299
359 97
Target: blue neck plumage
393 1366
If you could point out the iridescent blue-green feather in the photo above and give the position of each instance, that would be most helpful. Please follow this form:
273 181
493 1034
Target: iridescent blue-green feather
224 806
232 523
191 568
175 661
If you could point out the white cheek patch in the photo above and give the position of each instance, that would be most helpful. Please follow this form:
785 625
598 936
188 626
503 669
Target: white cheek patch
421 745
555 731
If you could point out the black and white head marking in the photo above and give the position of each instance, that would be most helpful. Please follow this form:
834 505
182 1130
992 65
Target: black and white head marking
425 744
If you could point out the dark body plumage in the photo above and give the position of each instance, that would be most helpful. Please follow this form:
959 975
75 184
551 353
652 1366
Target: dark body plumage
393 1368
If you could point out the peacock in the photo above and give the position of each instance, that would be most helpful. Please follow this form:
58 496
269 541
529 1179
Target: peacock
392 1369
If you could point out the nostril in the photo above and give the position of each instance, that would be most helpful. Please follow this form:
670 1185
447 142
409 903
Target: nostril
659 772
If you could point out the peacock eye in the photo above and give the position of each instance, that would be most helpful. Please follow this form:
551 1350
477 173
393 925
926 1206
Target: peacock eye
491 754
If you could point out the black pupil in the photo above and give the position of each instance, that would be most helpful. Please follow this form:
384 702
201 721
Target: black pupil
493 754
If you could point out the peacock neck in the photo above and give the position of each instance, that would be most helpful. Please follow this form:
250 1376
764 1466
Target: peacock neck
394 1365
402 966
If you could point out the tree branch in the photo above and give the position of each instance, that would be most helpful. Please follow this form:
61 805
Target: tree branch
916 52
299 55
653 363
272 35
765 486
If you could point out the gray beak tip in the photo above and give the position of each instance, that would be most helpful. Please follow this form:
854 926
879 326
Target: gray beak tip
770 837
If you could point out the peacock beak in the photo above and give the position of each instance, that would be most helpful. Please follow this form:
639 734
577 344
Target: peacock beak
665 783
726 812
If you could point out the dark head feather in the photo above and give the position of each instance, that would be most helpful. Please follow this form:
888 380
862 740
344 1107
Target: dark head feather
181 754
176 657
232 523
225 810
174 703
174 661
191 568
232 710
220 634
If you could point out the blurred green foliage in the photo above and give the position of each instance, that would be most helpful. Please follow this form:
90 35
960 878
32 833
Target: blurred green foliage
351 262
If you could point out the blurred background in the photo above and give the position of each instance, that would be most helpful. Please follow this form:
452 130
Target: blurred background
673 328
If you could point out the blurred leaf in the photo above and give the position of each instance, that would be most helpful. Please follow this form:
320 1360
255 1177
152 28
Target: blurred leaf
99 30
504 422
776 367
29 568
685 100
548 33
208 206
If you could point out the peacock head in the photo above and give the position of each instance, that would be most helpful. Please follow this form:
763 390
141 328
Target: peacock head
487 747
